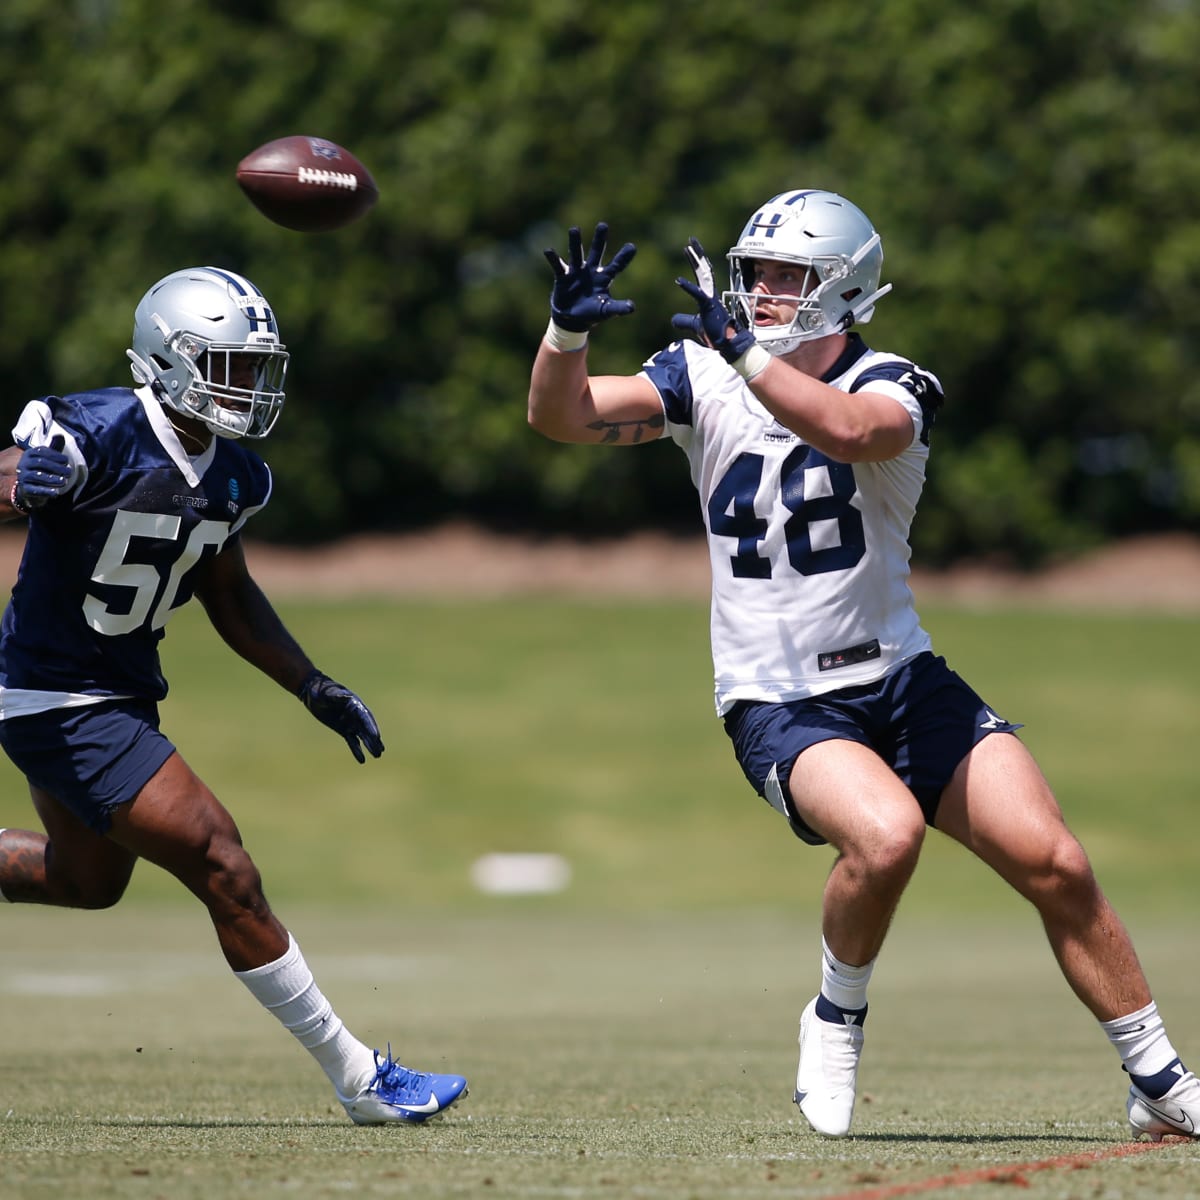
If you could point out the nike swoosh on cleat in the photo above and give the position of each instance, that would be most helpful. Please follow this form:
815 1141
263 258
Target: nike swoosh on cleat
430 1106
1172 1113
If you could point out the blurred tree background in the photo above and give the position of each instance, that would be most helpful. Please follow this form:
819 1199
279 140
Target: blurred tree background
1031 166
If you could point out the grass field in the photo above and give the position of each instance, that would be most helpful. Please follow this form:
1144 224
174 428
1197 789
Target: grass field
632 1036
608 1056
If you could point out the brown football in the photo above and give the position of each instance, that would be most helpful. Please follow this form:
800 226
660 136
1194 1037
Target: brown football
307 183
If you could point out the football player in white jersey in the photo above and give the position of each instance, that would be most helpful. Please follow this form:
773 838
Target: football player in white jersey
808 451
136 500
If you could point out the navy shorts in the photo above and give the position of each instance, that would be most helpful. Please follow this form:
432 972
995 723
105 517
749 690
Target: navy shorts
922 720
91 758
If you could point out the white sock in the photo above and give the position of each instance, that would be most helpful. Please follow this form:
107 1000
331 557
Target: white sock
286 988
1141 1041
841 984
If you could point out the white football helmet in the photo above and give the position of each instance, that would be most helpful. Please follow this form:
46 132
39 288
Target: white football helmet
841 251
205 340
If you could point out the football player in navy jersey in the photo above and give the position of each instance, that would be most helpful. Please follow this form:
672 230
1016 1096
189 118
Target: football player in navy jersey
136 500
808 450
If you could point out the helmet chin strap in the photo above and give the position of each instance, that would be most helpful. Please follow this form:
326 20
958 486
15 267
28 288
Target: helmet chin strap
778 347
194 438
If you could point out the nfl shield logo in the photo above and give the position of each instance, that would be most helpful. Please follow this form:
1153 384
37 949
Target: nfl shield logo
322 149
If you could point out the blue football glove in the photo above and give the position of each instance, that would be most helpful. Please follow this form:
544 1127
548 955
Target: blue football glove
580 299
712 326
43 473
344 713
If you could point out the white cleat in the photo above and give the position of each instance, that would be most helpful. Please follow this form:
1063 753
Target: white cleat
828 1066
1178 1112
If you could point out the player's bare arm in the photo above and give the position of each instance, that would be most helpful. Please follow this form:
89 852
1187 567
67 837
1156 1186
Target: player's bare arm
241 613
848 426
567 405
246 620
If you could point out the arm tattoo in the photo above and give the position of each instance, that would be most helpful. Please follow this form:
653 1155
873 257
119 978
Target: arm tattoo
23 867
615 431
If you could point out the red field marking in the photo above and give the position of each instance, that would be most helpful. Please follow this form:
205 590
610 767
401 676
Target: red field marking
1014 1175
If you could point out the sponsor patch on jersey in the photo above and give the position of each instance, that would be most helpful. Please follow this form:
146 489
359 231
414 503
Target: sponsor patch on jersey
831 660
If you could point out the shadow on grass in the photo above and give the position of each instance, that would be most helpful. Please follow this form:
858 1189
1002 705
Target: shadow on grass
221 1123
334 1123
982 1139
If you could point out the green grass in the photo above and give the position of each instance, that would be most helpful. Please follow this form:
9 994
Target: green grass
609 1056
588 730
634 1035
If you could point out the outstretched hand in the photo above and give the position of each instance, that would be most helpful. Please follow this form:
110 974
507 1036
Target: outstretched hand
580 298
43 473
344 713
712 325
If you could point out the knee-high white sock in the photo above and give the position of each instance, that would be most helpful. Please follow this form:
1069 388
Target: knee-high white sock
1141 1040
844 986
286 988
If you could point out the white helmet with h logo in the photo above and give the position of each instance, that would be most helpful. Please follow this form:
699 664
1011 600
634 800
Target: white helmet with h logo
834 241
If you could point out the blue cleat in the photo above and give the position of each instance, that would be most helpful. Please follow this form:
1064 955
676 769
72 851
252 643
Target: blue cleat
398 1094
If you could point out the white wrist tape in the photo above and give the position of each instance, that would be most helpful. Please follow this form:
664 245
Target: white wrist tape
753 362
567 340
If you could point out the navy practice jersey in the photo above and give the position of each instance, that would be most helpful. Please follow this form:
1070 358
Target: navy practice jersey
106 565
809 556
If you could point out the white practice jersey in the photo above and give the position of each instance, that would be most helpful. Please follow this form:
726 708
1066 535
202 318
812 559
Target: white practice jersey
809 556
